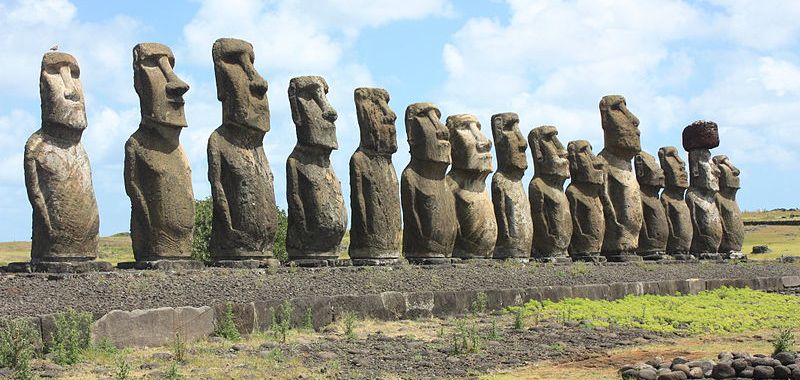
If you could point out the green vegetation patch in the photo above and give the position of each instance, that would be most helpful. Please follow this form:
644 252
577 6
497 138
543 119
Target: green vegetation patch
724 310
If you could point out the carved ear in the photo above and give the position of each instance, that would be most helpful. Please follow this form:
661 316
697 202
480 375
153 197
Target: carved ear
638 163
293 103
694 167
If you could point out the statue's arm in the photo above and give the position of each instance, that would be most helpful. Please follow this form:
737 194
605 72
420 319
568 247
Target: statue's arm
410 204
608 209
358 201
499 201
132 181
295 201
220 200
34 192
577 228
538 211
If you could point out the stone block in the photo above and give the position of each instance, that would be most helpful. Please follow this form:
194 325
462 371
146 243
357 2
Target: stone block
790 281
618 290
693 286
244 316
592 291
449 303
194 323
651 287
531 294
768 283
498 299
556 293
148 328
670 287
365 306
395 304
419 305
47 325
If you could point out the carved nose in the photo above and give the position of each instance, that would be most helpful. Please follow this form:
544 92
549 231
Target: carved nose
176 87
71 93
329 114
484 145
258 87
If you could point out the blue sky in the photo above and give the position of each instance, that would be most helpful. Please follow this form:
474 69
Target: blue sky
734 62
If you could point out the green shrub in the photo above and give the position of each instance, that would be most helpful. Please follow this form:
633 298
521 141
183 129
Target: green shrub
123 369
227 328
281 326
173 373
179 348
71 336
783 341
18 340
349 326
465 338
203 214
479 304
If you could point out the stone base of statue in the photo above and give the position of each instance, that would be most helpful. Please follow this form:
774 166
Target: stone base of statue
520 260
735 256
60 267
163 264
624 257
709 256
246 263
319 262
554 259
589 258
432 260
376 262
686 256
655 256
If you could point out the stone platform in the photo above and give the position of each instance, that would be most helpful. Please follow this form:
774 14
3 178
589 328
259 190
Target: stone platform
59 267
162 265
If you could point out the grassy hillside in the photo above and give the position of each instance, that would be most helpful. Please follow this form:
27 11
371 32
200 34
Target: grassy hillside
113 249
777 214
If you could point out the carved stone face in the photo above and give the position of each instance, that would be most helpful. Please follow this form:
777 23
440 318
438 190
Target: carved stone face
729 174
704 173
61 91
160 90
584 166
312 114
549 155
428 138
242 91
648 172
510 144
674 168
469 148
376 120
620 127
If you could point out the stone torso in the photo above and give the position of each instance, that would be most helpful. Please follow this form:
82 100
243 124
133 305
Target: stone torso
165 180
477 228
317 215
512 212
429 216
588 222
732 224
679 221
375 202
247 183
65 181
552 224
655 230
706 222
622 230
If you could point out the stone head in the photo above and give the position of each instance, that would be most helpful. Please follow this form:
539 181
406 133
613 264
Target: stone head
242 91
160 90
469 148
510 143
728 174
620 127
584 166
428 138
61 92
648 172
549 155
312 114
703 173
674 168
376 120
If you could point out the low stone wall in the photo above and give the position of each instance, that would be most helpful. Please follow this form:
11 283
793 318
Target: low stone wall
155 327
772 223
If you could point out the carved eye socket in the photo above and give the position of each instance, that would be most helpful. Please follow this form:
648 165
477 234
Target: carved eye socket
231 59
151 61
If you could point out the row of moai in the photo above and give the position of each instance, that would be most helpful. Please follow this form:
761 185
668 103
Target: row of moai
608 212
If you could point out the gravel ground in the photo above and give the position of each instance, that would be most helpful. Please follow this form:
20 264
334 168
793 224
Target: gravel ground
35 294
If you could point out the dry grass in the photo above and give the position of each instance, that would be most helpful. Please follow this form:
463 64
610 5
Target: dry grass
770 215
113 249
782 240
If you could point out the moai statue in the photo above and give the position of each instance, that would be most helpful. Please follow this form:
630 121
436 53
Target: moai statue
552 224
245 219
698 138
158 178
472 162
317 215
655 228
511 207
374 190
622 203
679 220
429 211
58 176
732 224
585 193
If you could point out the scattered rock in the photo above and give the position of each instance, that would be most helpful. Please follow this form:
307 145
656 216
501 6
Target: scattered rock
763 372
785 358
674 375
723 371
782 372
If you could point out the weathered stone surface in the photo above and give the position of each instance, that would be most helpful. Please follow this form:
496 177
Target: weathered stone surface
730 214
244 316
419 305
700 135
245 219
158 178
472 162
655 228
585 205
58 176
512 209
317 215
701 198
152 327
679 219
790 281
165 265
374 189
429 213
552 224
622 204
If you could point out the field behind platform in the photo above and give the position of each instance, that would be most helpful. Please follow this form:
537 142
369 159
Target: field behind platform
113 249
